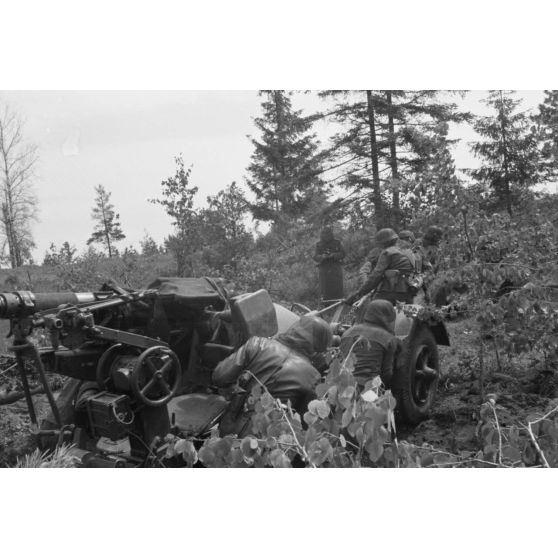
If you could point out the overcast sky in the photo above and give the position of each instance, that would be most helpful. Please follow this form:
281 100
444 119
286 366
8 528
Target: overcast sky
126 141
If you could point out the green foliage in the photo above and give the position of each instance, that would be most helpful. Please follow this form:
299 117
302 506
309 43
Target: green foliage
281 262
148 246
485 252
532 444
207 241
63 255
225 238
90 270
548 120
178 202
510 151
18 205
342 428
347 427
284 172
60 458
107 229
394 141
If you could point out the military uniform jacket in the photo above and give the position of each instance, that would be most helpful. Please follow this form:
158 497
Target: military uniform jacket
391 259
287 374
374 349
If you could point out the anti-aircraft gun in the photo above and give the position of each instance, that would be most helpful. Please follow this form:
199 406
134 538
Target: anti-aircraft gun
139 362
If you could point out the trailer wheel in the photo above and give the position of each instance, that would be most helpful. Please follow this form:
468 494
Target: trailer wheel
419 377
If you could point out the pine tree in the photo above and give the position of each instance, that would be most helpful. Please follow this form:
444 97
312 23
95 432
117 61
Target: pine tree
148 246
388 137
107 229
354 150
509 150
548 120
434 186
285 168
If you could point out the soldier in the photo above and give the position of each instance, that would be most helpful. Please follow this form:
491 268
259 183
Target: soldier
430 246
328 255
283 365
411 248
373 343
369 264
391 274
429 250
407 245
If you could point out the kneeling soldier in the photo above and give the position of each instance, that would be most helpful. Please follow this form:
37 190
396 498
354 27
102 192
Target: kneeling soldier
373 343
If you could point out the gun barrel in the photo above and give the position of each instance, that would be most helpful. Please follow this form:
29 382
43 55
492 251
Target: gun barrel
26 303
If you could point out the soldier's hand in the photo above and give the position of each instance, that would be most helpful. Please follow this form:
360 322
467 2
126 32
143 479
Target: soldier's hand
351 299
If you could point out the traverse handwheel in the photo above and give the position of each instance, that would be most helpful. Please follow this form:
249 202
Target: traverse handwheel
156 376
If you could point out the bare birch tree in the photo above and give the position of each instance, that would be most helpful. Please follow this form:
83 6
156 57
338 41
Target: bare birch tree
18 202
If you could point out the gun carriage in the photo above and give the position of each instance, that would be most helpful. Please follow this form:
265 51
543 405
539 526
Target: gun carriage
139 363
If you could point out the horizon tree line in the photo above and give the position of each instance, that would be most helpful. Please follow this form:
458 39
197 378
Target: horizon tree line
389 157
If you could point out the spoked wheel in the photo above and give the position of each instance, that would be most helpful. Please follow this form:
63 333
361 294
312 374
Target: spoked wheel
156 376
419 380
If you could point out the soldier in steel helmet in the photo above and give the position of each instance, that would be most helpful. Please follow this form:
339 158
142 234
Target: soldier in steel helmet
391 274
407 245
430 246
373 343
423 268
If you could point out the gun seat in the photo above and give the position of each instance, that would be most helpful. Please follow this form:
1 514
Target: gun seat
195 413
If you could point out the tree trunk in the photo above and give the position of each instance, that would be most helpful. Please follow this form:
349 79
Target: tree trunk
376 191
282 188
10 234
106 227
393 162
505 149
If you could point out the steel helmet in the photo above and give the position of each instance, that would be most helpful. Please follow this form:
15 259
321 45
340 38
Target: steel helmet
383 236
407 235
433 233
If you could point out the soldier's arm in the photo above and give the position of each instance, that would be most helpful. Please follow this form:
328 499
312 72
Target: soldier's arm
318 255
228 370
389 361
306 390
339 254
376 276
364 271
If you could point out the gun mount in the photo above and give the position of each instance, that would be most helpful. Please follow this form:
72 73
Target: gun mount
138 363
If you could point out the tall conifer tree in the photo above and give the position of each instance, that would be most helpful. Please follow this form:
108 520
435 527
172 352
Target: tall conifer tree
509 150
387 138
548 120
284 172
107 229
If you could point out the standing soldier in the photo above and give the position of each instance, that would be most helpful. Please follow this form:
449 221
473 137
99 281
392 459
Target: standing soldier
392 272
329 255
429 250
406 243
413 250
430 246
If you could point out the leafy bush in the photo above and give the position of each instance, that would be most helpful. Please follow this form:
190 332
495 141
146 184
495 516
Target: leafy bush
342 428
60 458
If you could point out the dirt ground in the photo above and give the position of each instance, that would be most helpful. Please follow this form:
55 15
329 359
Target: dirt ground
518 387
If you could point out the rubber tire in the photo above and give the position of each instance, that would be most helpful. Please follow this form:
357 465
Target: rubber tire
410 410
